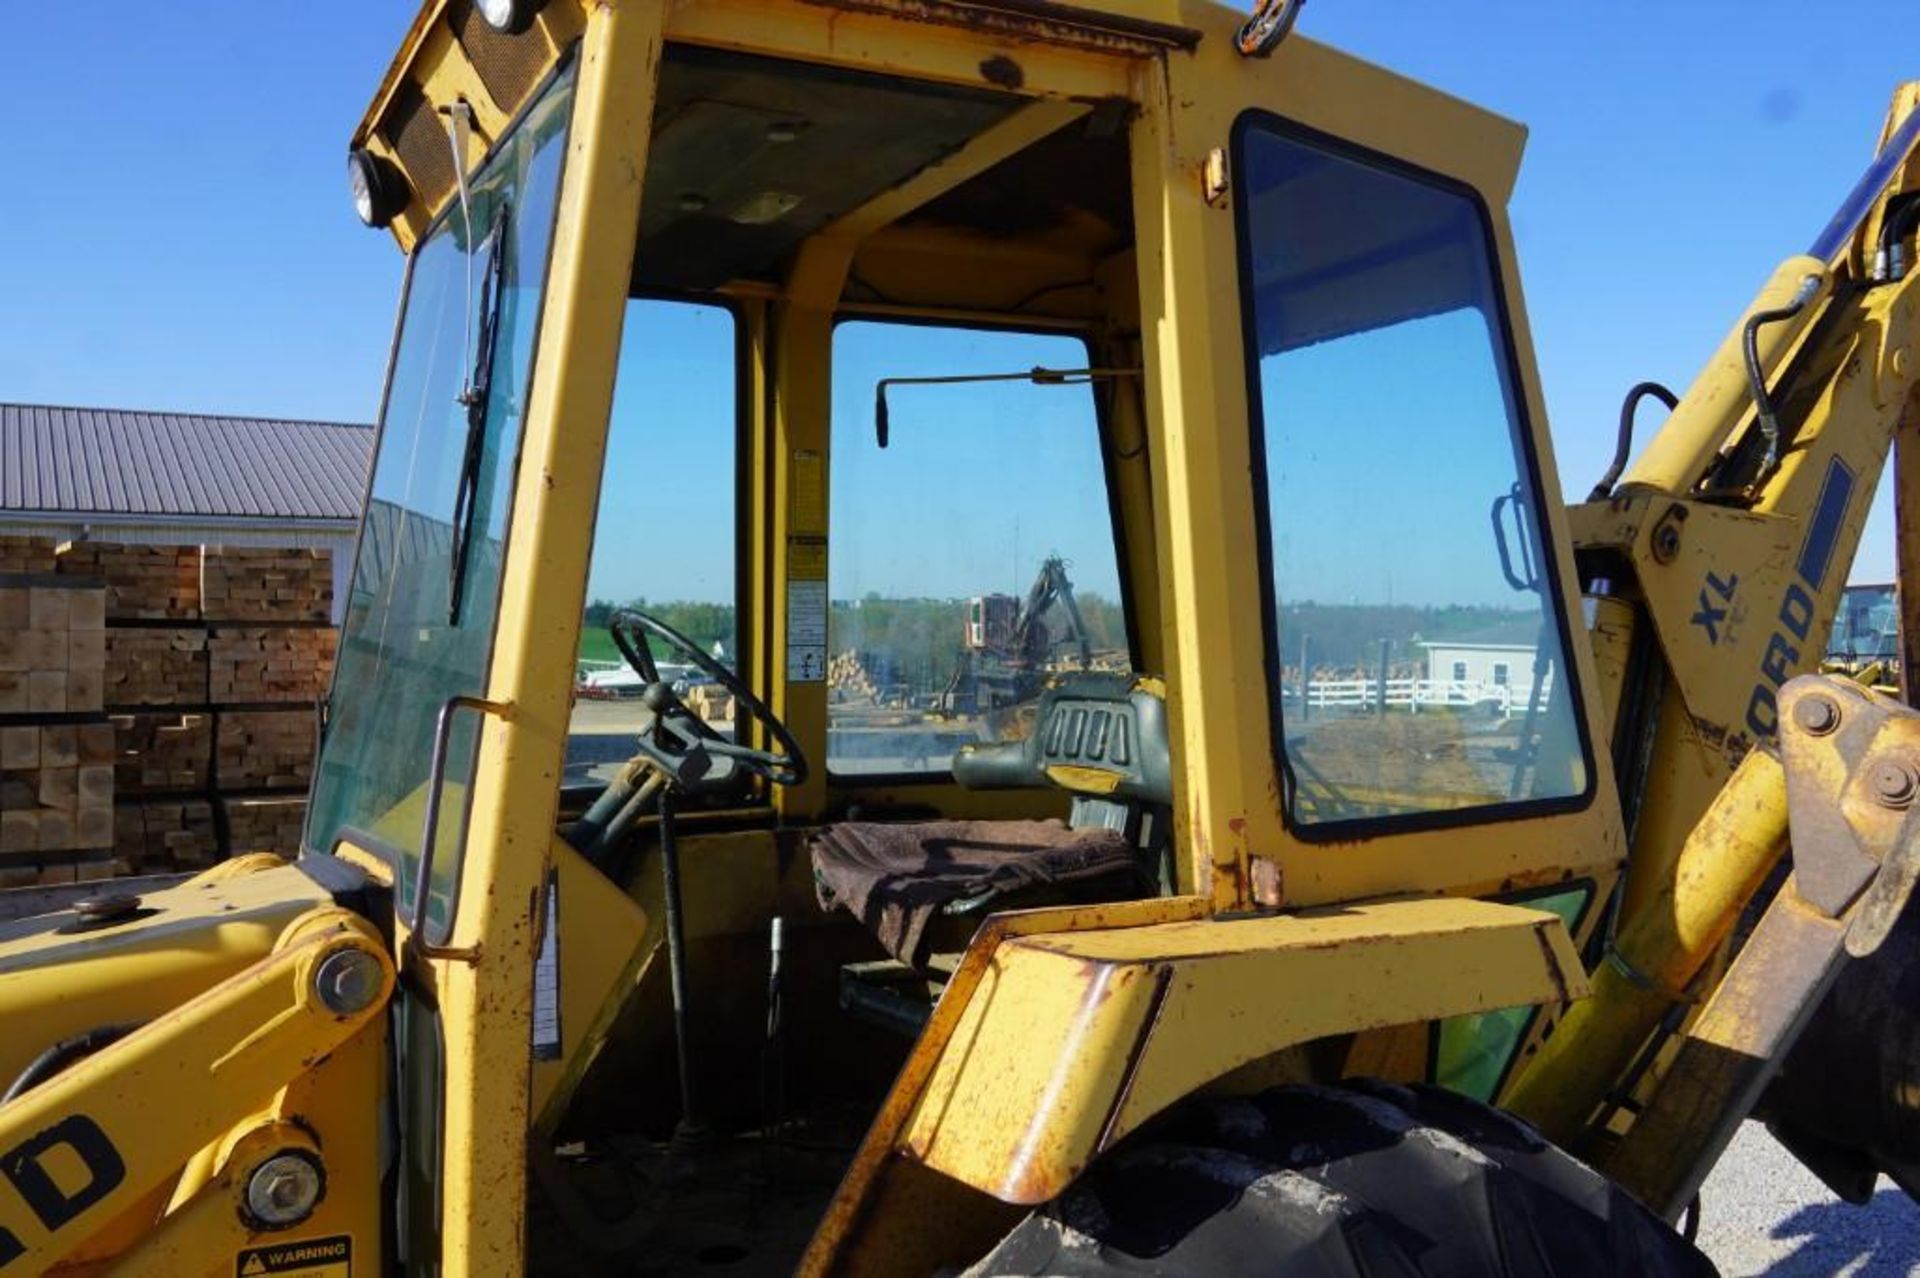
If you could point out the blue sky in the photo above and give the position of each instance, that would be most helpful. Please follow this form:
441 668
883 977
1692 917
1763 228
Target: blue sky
178 233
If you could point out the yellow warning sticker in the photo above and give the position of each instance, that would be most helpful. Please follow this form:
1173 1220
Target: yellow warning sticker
808 505
305 1258
806 559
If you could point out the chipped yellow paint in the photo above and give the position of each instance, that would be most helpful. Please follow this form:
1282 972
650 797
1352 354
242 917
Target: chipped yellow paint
1073 1040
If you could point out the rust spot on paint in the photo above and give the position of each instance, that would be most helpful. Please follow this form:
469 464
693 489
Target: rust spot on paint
1543 935
1226 881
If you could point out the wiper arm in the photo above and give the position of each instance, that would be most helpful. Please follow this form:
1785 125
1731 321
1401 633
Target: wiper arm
474 398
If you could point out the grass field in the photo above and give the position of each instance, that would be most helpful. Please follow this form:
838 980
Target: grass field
597 645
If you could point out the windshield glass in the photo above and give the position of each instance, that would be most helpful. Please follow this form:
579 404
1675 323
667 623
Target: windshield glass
1416 654
1868 627
442 485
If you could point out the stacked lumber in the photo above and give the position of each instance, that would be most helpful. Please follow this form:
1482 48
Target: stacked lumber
266 585
26 554
248 665
160 836
52 645
56 787
265 749
56 762
161 753
178 640
144 583
265 824
156 667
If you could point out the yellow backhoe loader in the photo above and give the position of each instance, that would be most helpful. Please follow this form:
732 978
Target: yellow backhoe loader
1441 878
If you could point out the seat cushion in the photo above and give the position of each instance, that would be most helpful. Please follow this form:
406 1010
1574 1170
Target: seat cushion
895 877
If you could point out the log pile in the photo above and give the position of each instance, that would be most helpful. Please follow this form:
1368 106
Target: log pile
848 679
711 703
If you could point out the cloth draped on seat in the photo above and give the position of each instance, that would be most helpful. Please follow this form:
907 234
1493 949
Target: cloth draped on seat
896 877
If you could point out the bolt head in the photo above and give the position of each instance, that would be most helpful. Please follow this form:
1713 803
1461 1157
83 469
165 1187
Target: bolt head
1816 715
284 1189
1895 783
348 981
110 905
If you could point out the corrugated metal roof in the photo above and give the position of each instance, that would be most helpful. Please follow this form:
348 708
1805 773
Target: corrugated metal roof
106 461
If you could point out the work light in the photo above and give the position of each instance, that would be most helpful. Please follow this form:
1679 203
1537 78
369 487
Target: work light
379 192
509 16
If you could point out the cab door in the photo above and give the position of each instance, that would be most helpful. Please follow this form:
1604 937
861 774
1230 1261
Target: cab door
447 719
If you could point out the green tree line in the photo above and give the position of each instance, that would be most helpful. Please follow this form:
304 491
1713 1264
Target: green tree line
913 641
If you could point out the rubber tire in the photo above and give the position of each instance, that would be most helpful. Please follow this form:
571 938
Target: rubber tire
1360 1178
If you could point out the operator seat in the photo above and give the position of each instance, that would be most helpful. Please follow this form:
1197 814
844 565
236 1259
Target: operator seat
1101 737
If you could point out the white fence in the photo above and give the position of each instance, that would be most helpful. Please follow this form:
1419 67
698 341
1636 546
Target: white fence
1413 695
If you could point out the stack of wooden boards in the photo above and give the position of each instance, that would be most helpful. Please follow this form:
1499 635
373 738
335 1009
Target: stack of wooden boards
197 670
56 747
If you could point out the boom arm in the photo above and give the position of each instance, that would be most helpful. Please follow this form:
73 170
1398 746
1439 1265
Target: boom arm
1049 587
1727 547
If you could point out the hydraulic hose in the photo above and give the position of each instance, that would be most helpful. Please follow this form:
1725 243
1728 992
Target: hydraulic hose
65 1053
1675 458
1623 445
1890 263
1757 373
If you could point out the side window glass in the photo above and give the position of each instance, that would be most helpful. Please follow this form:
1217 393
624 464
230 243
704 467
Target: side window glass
1415 643
970 558
1471 1053
666 536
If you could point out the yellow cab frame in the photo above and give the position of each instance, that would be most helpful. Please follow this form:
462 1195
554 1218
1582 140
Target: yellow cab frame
1197 604
1060 1029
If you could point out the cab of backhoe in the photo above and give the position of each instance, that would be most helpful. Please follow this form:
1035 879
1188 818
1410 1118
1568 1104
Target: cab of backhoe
854 475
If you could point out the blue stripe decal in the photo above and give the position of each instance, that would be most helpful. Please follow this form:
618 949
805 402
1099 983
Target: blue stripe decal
1816 552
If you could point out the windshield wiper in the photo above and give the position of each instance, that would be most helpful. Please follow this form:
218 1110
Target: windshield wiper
473 397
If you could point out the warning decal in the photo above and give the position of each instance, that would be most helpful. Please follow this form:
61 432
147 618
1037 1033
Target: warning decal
806 610
310 1258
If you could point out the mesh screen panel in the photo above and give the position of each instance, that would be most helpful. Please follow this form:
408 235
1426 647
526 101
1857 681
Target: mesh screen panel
508 65
419 139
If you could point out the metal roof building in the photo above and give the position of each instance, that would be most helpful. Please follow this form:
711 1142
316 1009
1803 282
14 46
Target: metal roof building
101 474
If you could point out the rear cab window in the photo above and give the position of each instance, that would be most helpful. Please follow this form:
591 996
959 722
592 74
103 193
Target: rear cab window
973 556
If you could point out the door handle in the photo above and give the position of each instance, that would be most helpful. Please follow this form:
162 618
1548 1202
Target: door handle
430 831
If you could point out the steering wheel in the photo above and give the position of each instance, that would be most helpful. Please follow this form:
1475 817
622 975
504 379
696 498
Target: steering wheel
679 742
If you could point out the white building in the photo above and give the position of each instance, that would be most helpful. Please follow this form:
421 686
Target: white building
1486 665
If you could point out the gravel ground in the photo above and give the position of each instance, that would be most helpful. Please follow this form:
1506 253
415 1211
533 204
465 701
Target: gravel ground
1763 1213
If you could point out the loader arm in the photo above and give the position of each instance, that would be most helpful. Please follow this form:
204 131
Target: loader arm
200 1133
1725 550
